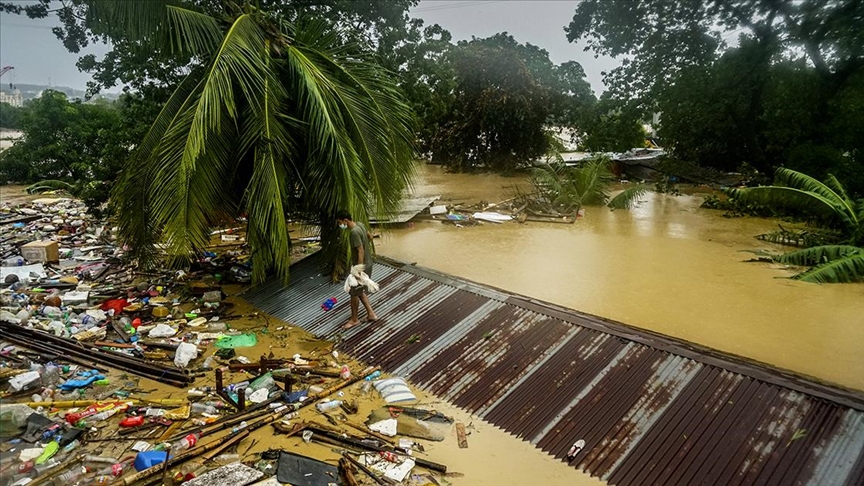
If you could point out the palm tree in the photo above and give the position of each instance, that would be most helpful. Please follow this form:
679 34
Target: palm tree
566 189
830 205
273 118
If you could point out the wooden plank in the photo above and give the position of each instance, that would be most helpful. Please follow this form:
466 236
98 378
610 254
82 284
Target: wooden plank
461 435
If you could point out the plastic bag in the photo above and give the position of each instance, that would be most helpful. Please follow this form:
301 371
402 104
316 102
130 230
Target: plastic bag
185 353
162 330
239 341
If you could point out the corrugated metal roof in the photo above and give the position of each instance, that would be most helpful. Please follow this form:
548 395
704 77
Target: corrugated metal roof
651 409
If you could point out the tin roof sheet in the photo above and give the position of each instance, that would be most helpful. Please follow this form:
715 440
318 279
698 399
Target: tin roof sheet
651 409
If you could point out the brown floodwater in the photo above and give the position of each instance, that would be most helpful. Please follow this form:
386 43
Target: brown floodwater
666 265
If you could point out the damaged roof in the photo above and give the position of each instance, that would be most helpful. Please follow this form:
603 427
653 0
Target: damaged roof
651 409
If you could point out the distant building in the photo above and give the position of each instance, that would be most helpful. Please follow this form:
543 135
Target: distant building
14 98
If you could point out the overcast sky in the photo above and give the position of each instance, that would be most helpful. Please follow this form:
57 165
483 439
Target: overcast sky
39 58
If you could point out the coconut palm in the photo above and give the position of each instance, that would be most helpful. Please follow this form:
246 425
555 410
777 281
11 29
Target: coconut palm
567 189
273 118
829 205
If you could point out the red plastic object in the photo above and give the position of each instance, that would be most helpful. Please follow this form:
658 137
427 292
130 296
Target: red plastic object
136 322
116 304
132 421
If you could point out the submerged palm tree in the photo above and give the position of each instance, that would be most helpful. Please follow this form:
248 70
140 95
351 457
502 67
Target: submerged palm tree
832 207
567 189
272 118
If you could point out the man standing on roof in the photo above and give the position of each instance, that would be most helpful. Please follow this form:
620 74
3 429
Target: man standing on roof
361 254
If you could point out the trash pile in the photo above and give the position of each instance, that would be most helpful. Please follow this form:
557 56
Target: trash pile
515 209
110 375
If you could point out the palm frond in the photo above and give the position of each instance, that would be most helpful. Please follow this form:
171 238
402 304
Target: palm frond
849 268
192 164
360 128
159 24
269 191
130 199
48 185
628 197
795 199
818 254
828 191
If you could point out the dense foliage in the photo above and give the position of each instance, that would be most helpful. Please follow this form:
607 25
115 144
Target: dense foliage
68 140
760 82
829 205
10 116
506 95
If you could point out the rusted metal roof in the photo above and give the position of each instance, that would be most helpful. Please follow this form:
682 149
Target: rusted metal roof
651 409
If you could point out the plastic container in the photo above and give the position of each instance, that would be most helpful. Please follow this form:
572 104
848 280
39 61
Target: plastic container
216 327
345 372
204 408
185 443
92 459
147 459
329 405
71 475
13 262
224 459
264 381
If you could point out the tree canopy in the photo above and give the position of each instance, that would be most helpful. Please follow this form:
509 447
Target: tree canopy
506 95
763 82
67 140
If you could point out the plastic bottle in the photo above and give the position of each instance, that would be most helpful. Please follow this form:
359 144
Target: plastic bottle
13 262
116 469
327 406
26 466
51 375
216 326
224 459
185 443
373 376
98 417
240 426
70 475
345 372
388 456
203 408
265 381
45 466
93 459
208 363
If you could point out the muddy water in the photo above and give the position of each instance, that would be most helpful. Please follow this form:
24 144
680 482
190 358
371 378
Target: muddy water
667 266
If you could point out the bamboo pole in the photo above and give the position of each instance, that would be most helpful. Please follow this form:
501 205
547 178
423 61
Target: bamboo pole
180 458
168 402
383 481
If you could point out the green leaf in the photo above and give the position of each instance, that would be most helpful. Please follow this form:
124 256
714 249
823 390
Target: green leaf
628 197
849 268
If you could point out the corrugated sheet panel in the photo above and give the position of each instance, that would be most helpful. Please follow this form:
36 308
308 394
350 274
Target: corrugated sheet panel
648 413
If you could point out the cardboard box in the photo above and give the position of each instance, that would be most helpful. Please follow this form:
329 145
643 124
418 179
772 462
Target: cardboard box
41 251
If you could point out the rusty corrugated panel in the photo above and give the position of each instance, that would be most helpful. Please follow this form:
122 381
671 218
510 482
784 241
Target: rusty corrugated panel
551 376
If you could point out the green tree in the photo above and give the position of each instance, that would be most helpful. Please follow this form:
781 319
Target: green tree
10 116
273 117
831 206
505 97
566 189
611 126
71 141
772 100
419 56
